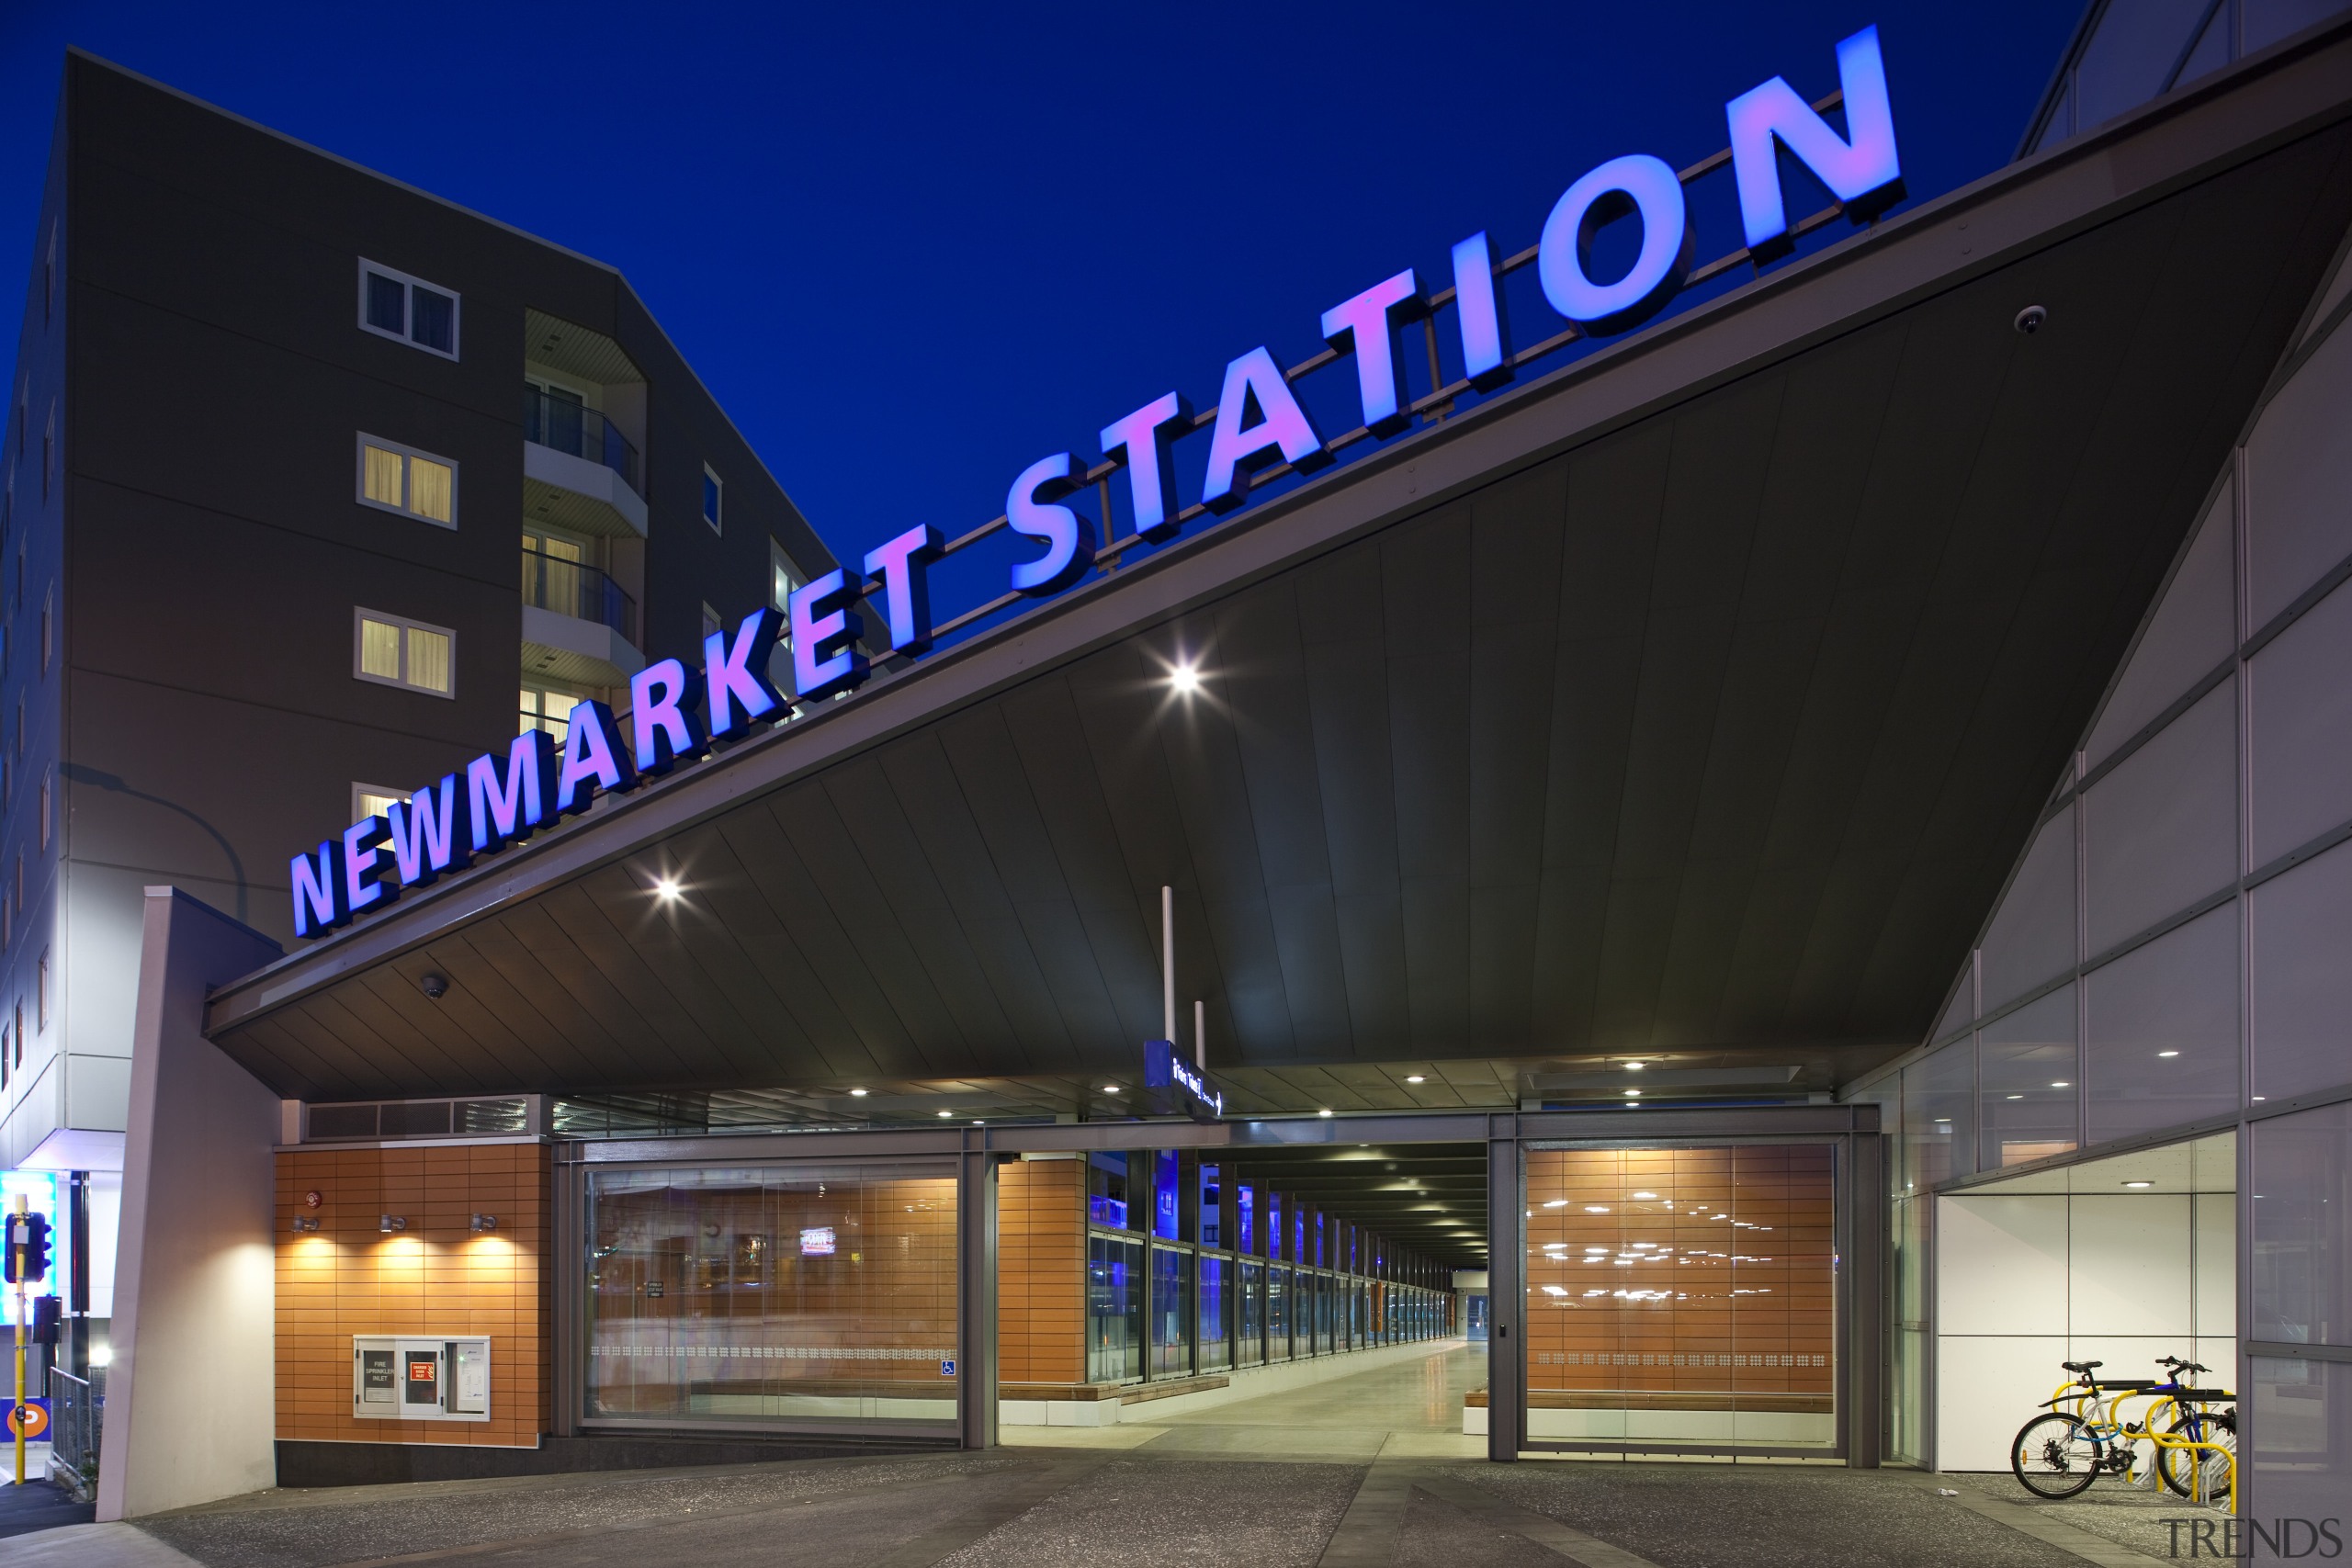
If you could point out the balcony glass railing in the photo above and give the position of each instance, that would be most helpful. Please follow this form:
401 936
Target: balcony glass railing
572 427
576 589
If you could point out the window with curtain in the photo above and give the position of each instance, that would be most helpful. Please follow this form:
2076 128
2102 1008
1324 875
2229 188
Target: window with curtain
394 651
393 478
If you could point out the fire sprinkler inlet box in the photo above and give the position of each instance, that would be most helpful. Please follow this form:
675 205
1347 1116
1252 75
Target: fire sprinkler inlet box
406 1378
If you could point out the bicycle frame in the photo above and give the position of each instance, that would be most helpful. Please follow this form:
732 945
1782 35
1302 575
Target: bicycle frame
2082 1399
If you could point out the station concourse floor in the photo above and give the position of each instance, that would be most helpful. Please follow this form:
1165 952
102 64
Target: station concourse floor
1353 1473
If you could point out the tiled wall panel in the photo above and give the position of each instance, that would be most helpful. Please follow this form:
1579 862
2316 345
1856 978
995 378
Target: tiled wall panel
436 1277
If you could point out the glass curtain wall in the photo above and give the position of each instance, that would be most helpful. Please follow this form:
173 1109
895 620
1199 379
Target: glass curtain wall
1114 1309
1679 1294
786 1294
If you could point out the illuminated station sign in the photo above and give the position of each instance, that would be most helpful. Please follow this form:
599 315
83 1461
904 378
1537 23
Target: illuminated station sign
1258 425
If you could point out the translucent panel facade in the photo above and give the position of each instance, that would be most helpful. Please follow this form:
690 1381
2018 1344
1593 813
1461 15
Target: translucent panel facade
2032 939
2170 965
2129 51
2162 1047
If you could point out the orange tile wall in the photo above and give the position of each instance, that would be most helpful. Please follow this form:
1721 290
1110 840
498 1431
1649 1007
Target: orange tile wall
436 1277
1041 1272
1742 1304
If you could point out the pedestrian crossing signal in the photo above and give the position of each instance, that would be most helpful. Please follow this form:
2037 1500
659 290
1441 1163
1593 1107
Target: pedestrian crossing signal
28 1249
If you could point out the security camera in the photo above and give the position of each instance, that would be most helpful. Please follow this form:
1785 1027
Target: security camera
2030 319
436 986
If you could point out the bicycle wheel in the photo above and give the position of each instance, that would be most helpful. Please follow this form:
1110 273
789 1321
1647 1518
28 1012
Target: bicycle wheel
2179 1467
2055 1456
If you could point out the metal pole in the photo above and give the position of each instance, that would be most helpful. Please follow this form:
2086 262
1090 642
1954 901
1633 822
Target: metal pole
1167 964
1200 1035
17 1415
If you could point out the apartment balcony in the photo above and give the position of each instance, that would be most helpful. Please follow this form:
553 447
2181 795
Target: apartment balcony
578 624
579 471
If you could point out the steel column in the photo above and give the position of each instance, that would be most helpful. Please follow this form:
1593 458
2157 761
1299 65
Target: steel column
976 1298
1506 1247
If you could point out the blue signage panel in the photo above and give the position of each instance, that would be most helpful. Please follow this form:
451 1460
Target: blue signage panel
1164 1069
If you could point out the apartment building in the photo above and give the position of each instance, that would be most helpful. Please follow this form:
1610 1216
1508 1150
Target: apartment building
316 485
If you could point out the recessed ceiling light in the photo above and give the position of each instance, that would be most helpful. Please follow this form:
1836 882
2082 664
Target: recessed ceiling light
1416 1077
1633 1067
1645 1194
1632 1094
2062 1083
666 888
946 1115
2138 1184
1325 1112
857 1093
2017 1097
1184 680
1595 1208
2167 1052
1110 1088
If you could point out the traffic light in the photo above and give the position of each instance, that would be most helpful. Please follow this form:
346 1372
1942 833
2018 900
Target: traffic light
28 1249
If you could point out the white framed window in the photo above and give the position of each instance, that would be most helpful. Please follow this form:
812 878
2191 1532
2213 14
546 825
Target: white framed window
46 793
393 478
408 309
40 999
392 650
714 498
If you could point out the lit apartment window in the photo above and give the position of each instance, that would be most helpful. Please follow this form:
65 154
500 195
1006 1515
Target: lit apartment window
713 494
393 651
401 479
41 1001
551 710
373 800
395 305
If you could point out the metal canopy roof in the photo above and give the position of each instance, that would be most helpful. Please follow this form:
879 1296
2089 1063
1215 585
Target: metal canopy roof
1693 700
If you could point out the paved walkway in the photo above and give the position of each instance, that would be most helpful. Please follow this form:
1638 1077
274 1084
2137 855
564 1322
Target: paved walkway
1409 1409
1328 1476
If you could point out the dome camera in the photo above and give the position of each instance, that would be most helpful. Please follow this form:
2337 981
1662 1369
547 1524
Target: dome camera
2030 319
436 985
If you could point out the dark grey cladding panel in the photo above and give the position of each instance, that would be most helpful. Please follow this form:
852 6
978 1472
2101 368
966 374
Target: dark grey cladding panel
1717 728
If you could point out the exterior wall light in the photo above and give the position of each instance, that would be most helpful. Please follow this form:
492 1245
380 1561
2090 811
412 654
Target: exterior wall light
391 1223
484 1223
305 1224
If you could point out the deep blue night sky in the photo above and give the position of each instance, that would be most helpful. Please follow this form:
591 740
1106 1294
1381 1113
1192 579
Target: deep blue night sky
913 249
